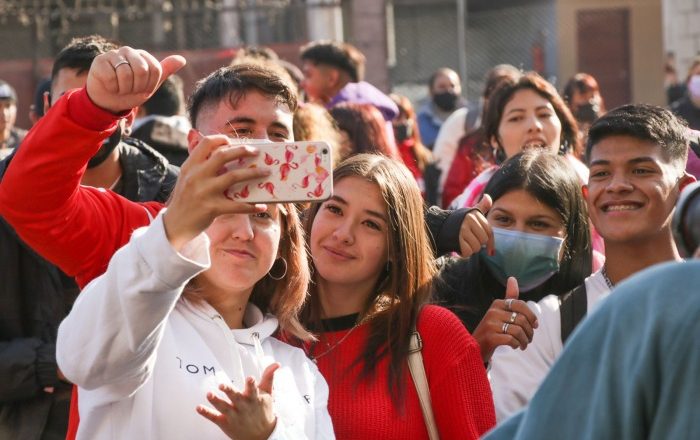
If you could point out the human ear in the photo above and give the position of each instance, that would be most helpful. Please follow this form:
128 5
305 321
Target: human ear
193 138
333 76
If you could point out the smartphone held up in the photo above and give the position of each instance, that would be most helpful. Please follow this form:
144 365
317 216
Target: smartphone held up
300 172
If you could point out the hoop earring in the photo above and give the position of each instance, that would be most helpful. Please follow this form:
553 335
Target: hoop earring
269 274
564 148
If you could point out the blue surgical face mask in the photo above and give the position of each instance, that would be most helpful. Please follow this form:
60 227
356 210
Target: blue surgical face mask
531 258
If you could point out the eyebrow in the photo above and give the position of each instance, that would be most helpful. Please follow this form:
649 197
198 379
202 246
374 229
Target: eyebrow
541 107
249 120
636 160
240 120
371 212
535 217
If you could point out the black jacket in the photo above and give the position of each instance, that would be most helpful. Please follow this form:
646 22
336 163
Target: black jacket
35 296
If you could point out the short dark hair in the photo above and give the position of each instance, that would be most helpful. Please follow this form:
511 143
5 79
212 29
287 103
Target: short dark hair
343 56
168 100
530 81
257 52
552 180
80 53
645 122
581 83
233 82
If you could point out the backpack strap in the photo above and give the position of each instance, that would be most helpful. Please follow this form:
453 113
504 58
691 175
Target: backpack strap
573 306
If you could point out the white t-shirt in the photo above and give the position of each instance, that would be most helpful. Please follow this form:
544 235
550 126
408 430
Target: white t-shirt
515 374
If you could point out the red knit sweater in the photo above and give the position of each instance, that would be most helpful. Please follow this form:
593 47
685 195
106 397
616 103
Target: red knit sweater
460 392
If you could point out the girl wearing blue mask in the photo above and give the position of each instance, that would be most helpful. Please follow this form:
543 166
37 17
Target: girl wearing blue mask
537 232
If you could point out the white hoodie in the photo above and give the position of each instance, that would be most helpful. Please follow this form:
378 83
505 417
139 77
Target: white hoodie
144 358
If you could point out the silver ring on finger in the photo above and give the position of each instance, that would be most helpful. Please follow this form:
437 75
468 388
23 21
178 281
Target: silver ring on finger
120 63
512 317
505 327
509 303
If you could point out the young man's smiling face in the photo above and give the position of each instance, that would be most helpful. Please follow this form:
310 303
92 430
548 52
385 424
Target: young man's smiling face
632 188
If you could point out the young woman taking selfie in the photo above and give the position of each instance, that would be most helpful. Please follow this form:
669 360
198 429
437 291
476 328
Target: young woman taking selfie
187 311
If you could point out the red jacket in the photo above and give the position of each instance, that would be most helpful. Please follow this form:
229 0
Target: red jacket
470 160
78 228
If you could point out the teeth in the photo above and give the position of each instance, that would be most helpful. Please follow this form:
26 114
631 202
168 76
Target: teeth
621 208
534 144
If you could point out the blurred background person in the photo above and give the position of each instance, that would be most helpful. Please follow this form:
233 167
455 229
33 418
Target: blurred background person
270 58
582 94
675 88
361 131
41 94
688 108
414 154
444 97
161 122
10 136
334 73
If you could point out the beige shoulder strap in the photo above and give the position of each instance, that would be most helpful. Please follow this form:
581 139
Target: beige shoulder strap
415 366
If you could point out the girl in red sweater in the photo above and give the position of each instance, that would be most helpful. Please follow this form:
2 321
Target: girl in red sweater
373 268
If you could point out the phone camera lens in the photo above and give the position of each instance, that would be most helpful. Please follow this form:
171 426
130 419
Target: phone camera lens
324 151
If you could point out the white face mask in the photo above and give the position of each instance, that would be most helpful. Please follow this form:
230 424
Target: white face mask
694 86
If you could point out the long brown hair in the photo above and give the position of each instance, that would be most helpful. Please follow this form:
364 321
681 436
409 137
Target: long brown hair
285 297
405 287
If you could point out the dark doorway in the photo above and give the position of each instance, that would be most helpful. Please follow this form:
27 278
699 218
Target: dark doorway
604 52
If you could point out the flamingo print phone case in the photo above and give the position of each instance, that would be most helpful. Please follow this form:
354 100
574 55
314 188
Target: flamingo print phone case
301 172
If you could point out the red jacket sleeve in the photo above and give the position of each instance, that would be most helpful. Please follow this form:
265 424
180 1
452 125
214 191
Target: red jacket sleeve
77 228
459 389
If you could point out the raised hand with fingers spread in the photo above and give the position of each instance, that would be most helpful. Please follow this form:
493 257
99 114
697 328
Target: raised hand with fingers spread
508 321
245 415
